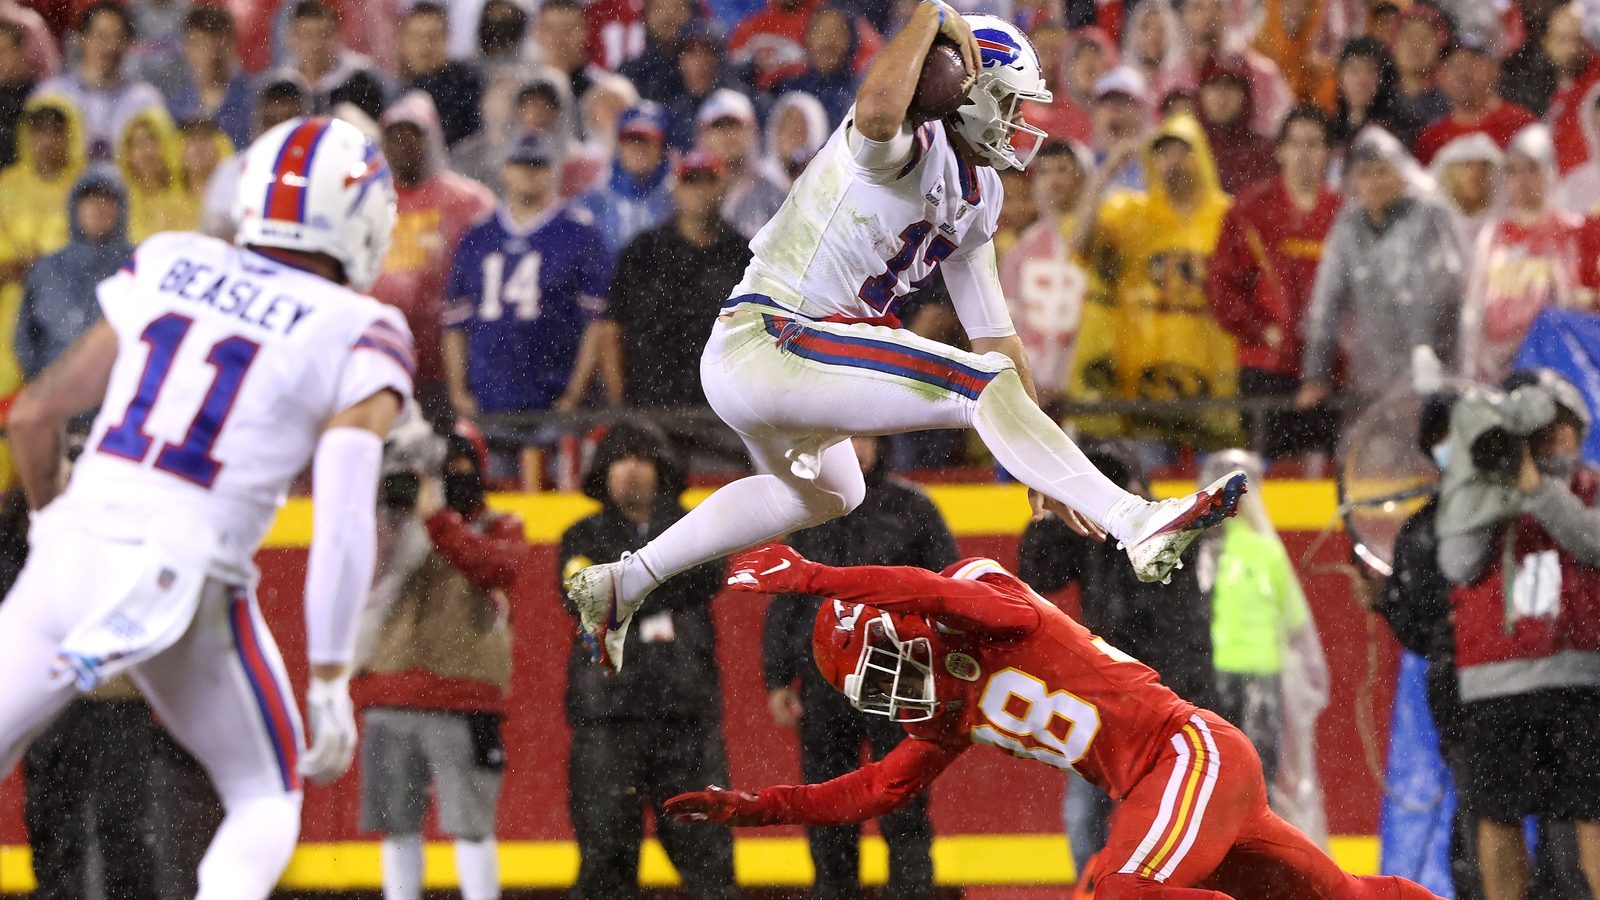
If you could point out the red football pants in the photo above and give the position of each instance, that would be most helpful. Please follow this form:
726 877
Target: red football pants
1197 827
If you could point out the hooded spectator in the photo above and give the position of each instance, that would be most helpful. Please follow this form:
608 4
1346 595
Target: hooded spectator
637 195
1366 93
1227 109
1553 57
1420 39
1205 36
773 42
506 63
727 123
1390 279
96 84
1152 46
150 157
1469 78
1296 36
334 73
609 98
1150 248
1071 66
655 71
541 106
828 74
58 302
1527 257
703 69
435 208
281 97
1262 275
425 65
797 127
1465 171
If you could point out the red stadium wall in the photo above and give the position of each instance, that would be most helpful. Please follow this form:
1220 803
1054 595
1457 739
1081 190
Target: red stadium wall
985 793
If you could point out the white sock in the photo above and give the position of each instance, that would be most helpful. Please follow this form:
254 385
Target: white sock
402 866
742 514
251 848
478 869
1040 455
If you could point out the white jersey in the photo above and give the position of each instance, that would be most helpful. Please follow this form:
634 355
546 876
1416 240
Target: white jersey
868 223
228 366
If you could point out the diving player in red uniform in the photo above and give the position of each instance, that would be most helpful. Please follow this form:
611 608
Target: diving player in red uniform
973 656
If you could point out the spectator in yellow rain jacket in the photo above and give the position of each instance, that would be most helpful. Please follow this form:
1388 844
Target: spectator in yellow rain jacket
150 156
1147 331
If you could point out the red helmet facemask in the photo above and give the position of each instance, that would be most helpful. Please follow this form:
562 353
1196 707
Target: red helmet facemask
876 659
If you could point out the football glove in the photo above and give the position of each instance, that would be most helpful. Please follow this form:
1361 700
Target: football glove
333 730
719 806
769 569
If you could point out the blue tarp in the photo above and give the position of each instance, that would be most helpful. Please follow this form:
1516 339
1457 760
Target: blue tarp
1569 342
1414 830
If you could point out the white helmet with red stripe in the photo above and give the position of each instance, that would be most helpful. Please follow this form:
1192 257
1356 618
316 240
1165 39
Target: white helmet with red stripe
318 185
990 120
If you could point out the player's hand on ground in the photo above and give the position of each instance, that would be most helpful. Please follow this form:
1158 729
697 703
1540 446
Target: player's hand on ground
784 704
717 805
1075 520
333 730
769 569
955 27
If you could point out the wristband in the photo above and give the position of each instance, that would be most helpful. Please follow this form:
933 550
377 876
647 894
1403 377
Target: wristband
941 11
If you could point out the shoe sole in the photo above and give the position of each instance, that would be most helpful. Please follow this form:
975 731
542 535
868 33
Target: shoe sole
1221 502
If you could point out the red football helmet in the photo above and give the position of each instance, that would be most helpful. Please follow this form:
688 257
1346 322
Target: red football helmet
881 661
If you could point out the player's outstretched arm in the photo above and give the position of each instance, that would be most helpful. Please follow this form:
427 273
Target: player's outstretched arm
887 90
75 383
873 790
999 610
344 491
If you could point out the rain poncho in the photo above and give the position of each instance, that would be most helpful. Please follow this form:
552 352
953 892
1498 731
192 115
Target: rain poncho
1262 627
1477 147
1165 73
1384 289
1306 58
1045 284
33 219
626 204
1524 261
59 301
1579 191
818 130
1150 332
164 206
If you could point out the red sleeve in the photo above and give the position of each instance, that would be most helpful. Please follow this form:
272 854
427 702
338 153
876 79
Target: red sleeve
996 608
492 558
873 790
1232 283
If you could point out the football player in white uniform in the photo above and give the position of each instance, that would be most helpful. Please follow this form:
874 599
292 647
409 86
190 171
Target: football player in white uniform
808 352
220 372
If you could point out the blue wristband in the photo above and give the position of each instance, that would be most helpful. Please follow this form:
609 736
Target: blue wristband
941 12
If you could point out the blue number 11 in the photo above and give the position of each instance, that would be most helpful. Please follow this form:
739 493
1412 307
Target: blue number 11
191 460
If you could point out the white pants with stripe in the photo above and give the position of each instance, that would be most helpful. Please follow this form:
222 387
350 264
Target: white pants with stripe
221 690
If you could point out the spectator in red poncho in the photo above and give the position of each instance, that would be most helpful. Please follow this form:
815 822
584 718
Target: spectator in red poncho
773 41
1468 79
1226 110
1263 270
1577 72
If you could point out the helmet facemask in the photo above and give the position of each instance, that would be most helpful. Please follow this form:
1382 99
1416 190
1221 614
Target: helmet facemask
893 678
990 120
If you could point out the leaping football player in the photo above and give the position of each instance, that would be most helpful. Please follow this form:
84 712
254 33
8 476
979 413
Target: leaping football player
973 656
220 371
808 351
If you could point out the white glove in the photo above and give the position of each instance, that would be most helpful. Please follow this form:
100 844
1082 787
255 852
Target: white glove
333 730
1427 373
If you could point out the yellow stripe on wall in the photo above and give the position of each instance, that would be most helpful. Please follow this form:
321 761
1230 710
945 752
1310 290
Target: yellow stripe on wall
973 510
969 859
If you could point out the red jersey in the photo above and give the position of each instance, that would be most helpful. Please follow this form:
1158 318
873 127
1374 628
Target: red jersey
1263 270
1011 671
1501 123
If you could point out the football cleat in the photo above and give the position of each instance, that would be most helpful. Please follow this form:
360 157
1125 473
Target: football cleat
1172 525
604 624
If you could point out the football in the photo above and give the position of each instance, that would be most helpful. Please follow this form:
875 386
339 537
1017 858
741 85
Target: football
941 88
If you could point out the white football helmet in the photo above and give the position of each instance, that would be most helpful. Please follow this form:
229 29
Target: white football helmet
318 185
1010 75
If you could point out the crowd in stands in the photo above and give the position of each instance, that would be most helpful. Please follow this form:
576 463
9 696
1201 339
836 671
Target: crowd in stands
1285 199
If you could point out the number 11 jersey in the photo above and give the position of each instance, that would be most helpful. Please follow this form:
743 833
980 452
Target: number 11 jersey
229 364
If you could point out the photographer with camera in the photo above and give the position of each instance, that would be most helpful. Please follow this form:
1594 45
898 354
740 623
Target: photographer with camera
1519 538
434 659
